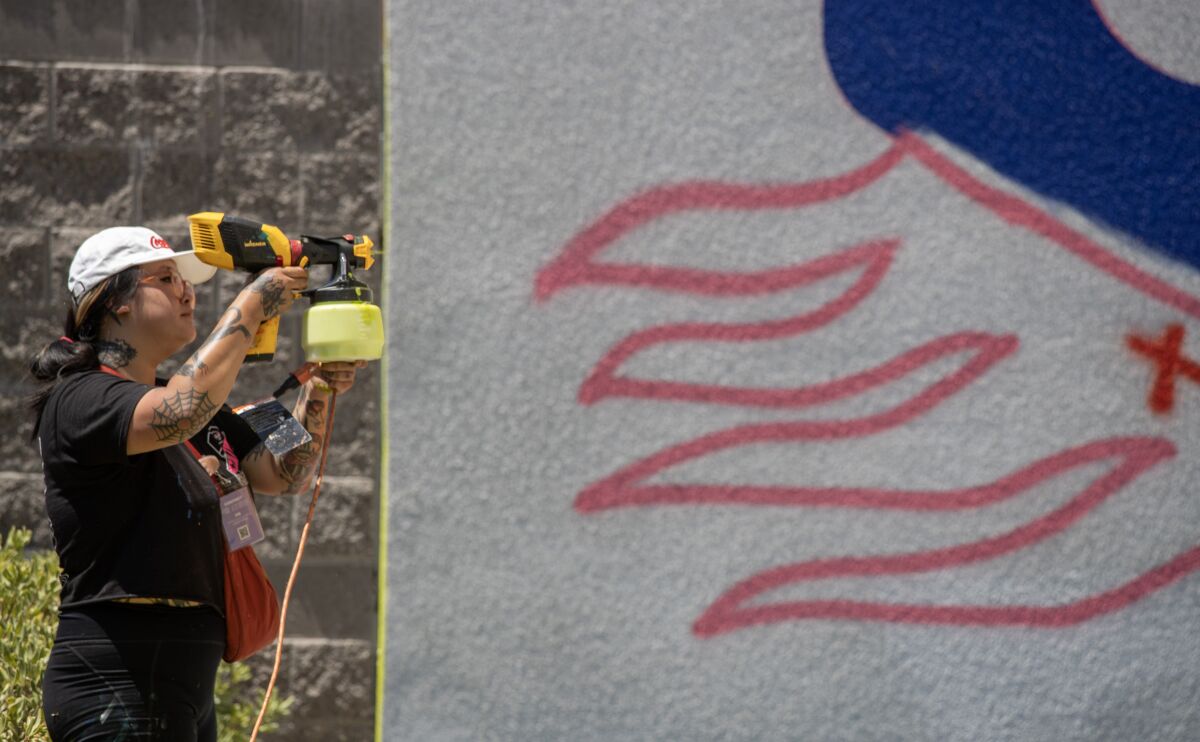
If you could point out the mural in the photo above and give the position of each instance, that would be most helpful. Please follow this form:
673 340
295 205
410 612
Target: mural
794 370
1128 456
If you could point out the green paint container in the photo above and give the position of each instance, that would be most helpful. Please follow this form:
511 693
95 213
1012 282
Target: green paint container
342 324
342 331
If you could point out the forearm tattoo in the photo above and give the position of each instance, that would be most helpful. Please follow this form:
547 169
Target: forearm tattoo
191 367
180 416
296 466
115 353
231 326
272 292
314 414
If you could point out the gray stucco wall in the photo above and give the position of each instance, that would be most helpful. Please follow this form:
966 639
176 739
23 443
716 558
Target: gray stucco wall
642 400
139 112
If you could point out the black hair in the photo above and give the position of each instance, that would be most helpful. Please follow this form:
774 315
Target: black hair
81 329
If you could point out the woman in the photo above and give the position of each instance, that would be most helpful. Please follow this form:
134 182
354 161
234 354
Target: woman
135 518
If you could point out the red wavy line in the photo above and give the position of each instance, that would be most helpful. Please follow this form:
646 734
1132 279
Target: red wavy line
615 489
866 497
574 265
603 381
1138 454
1018 212
599 386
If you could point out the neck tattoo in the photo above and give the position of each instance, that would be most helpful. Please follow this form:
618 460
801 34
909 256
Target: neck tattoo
115 353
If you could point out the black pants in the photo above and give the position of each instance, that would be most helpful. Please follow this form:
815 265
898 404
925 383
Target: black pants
133 672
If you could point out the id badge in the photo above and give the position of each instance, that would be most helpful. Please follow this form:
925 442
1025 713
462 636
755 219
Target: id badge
239 517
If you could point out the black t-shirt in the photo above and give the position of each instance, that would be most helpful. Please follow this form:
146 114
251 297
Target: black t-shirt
146 525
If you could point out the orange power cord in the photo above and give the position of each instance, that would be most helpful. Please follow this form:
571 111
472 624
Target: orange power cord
287 593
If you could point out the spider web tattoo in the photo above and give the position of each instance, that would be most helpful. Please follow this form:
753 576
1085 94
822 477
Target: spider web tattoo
180 416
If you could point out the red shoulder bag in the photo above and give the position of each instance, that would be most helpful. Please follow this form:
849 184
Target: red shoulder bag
251 604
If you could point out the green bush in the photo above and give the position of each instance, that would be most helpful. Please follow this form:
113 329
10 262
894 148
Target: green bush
238 704
28 613
29 616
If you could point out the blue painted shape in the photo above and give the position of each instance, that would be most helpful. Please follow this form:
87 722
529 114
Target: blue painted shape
1041 91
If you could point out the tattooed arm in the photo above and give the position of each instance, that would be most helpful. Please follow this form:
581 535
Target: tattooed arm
172 414
292 472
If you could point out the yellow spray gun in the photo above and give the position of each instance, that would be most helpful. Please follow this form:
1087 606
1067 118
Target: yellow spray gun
341 325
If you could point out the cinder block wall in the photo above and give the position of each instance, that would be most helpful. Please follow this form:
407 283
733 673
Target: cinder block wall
138 112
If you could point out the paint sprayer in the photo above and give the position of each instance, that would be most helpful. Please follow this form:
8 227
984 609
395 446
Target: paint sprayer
342 323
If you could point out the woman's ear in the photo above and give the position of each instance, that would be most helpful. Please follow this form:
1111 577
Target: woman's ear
118 312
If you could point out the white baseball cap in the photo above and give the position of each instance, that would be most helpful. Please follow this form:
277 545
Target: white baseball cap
112 250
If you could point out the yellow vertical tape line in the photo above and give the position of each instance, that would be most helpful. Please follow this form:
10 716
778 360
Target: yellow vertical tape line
382 599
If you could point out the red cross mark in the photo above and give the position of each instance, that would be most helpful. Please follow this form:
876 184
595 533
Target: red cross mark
1167 356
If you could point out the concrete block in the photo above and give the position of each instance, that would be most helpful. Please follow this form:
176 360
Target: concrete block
176 108
261 185
347 518
116 106
93 105
311 111
342 36
340 112
92 30
263 33
22 504
257 110
338 679
173 184
19 453
169 31
316 692
331 598
57 186
25 255
359 457
278 515
341 189
27 30
24 104
25 337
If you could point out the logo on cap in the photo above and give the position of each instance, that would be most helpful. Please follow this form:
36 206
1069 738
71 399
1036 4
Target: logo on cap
159 242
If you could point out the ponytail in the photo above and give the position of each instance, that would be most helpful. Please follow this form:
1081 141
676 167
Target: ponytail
76 350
